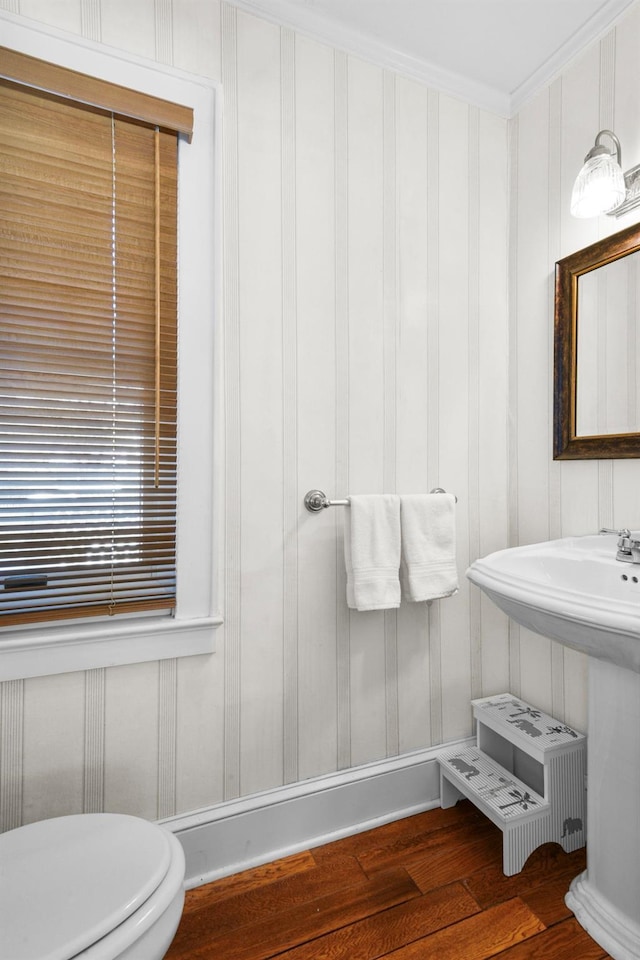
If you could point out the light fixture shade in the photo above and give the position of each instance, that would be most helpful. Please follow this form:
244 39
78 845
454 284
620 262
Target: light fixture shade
599 187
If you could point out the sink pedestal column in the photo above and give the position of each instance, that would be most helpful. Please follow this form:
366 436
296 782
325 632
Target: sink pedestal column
606 897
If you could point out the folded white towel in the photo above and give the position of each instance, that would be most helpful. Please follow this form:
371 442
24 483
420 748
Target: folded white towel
428 568
372 552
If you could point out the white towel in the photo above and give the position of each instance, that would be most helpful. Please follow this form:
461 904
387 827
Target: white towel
372 552
428 567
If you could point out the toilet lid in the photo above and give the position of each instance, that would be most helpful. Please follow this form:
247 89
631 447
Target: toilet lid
64 883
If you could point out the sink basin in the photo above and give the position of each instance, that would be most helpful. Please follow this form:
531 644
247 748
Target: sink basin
575 591
572 590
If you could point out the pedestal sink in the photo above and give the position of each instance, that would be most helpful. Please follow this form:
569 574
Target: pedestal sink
575 591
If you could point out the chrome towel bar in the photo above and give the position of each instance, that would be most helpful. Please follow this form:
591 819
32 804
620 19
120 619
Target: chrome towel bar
316 500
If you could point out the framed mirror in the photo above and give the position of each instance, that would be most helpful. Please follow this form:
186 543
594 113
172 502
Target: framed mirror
596 399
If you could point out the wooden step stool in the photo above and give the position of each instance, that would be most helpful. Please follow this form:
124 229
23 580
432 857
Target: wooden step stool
526 773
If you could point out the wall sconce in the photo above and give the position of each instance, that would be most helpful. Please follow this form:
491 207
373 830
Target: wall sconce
601 186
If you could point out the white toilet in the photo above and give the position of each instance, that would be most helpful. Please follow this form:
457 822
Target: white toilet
99 886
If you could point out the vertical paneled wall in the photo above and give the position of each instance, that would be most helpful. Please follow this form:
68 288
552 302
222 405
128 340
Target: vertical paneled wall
549 139
365 306
364 223
387 271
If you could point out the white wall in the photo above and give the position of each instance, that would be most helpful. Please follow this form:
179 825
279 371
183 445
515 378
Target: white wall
549 140
365 258
368 347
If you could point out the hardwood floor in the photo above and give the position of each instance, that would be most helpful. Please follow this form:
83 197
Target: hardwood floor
430 886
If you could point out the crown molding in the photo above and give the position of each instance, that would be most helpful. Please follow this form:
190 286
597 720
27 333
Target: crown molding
591 32
309 22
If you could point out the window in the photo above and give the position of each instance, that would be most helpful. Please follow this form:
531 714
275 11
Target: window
50 641
88 346
88 353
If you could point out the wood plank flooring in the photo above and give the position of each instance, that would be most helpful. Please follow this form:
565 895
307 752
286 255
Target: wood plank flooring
429 887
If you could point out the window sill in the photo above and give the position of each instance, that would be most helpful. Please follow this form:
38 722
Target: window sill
37 652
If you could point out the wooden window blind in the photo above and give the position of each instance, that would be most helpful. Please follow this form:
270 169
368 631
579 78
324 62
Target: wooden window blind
88 360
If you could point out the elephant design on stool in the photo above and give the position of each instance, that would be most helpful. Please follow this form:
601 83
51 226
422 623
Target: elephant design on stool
465 768
571 825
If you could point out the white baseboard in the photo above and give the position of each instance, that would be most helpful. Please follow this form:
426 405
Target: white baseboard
240 834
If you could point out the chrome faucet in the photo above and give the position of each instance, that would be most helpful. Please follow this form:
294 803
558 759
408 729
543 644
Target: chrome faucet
628 546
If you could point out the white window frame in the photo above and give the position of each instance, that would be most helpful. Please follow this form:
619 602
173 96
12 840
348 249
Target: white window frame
42 649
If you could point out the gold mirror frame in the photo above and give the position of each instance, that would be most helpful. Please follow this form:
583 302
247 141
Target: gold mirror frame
566 444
